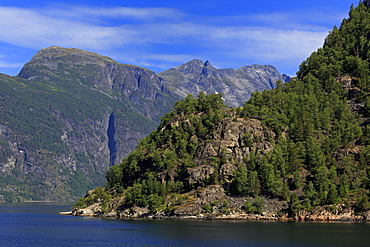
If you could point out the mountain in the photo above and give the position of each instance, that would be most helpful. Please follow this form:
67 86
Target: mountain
139 87
68 116
296 152
236 86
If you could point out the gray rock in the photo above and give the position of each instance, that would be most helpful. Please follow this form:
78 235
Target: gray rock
236 86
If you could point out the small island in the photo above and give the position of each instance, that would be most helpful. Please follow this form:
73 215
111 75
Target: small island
296 152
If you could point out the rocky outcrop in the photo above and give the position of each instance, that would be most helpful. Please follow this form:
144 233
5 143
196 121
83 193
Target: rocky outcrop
329 213
237 137
199 174
234 139
236 86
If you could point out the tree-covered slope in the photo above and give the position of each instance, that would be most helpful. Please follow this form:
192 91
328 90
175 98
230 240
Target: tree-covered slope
300 150
54 140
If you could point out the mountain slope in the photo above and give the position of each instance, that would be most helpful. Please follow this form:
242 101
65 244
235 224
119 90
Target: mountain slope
68 116
140 88
300 151
236 86
55 141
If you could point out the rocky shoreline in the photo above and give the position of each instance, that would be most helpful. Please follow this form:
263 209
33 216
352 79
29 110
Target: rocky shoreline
212 203
336 213
302 216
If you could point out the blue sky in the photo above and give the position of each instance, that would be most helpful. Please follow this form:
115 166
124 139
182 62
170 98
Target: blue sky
163 34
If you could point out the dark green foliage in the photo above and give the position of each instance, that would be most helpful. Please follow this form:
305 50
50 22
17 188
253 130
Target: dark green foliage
98 195
5 151
171 146
249 208
312 110
207 208
293 204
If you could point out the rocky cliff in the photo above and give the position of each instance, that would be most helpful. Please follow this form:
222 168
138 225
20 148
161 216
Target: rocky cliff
236 86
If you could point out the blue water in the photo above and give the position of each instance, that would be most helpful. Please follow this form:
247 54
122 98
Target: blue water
38 224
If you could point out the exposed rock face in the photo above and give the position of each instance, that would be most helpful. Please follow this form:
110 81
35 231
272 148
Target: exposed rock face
199 174
214 193
236 86
238 137
335 213
130 86
212 203
221 206
234 139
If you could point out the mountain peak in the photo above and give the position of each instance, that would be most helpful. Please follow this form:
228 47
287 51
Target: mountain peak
56 52
207 63
58 61
236 86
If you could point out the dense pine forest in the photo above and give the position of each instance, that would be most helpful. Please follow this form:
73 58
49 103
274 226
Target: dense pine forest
311 148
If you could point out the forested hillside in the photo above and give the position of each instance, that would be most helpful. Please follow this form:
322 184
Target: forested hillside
293 151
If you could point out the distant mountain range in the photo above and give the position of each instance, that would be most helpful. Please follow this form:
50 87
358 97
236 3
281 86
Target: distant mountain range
70 114
236 86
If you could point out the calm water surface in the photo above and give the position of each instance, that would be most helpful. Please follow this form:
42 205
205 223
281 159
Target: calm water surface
38 224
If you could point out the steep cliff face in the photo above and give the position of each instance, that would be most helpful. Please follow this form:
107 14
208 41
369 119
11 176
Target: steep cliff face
57 141
236 86
233 139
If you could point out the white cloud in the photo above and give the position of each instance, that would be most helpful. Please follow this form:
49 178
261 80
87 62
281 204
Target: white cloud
4 64
269 37
308 19
124 12
28 28
271 43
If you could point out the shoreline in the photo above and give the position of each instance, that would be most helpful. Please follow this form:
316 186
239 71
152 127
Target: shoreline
236 217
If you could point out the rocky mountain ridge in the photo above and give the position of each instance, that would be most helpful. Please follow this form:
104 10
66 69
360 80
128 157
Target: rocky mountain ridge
144 91
236 86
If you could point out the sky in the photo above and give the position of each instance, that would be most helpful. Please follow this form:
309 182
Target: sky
163 34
